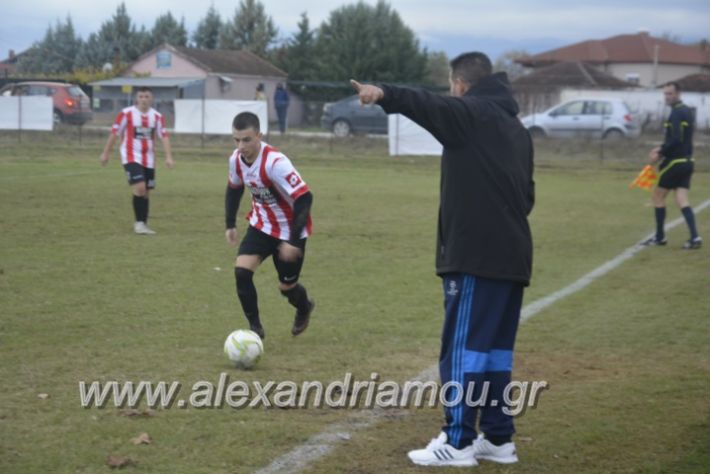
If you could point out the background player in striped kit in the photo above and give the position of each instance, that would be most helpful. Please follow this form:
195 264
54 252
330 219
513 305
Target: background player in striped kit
137 126
279 220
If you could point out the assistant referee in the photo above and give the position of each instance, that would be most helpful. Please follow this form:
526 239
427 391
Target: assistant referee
676 168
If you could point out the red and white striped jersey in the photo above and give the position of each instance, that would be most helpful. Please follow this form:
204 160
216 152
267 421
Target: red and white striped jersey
138 131
274 185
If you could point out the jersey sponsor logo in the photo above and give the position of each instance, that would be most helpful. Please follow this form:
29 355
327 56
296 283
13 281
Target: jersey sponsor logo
260 194
293 179
144 132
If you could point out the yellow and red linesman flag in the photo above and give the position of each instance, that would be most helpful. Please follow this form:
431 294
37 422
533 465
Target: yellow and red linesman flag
646 178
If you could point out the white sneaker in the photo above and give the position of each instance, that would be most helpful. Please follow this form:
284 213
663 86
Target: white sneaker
140 228
439 453
484 449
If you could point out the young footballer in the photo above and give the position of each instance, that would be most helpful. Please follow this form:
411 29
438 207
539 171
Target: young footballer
138 126
279 220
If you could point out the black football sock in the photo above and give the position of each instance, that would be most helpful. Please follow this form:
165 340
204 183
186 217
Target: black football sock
140 208
660 219
246 291
690 220
146 207
137 207
499 440
298 297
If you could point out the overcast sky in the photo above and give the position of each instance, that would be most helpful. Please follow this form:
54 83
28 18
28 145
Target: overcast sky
453 26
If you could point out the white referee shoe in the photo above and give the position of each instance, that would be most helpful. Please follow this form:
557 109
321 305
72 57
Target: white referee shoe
484 449
140 228
439 453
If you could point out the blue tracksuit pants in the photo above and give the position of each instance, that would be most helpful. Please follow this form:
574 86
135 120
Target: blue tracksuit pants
480 325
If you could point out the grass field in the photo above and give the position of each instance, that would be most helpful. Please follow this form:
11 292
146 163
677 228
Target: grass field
84 299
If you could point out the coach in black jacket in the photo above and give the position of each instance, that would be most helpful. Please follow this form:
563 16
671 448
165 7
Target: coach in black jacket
484 249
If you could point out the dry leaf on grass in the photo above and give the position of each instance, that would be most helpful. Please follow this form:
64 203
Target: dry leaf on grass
119 462
43 396
143 438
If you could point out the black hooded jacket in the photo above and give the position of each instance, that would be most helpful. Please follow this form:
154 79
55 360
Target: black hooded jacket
487 187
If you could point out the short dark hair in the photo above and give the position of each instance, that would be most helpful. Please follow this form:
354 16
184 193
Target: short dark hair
673 84
246 120
144 89
471 67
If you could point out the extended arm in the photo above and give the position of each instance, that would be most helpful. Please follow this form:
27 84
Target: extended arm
447 118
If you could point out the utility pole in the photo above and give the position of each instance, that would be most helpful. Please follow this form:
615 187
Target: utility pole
656 48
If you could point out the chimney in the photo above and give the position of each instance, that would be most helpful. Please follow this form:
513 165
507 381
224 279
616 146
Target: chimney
643 31
11 55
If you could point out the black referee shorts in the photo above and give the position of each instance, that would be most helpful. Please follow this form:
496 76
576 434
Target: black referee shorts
675 174
258 243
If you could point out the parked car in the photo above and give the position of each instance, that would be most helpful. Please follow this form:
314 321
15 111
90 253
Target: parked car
606 118
347 116
71 104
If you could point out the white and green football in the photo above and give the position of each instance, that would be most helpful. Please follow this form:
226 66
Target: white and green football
243 348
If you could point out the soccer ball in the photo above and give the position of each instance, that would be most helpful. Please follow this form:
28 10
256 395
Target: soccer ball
243 348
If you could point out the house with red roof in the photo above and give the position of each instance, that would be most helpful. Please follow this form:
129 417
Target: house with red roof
639 59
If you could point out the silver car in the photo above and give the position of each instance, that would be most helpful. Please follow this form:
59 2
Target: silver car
594 118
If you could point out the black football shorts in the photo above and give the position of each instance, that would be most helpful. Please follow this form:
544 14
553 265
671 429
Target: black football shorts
135 173
258 243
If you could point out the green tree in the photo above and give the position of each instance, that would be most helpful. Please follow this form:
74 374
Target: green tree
206 36
437 69
369 43
298 57
168 30
251 29
55 54
118 41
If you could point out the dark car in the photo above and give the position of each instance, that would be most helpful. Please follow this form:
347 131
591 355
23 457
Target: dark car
347 116
70 103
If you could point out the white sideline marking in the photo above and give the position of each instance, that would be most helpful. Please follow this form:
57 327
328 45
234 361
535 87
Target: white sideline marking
321 444
538 305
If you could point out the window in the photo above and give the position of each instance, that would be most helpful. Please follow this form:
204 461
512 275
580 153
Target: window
163 60
39 90
592 107
573 108
633 78
75 91
596 107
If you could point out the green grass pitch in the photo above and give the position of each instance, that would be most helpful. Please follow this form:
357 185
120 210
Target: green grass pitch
83 298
